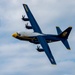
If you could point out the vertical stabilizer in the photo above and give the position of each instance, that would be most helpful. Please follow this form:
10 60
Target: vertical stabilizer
59 31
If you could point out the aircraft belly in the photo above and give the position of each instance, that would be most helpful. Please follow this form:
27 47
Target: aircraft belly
24 38
35 40
30 39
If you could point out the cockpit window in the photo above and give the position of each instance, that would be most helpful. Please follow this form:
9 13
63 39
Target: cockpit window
18 34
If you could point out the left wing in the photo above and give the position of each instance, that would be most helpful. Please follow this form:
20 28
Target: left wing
32 19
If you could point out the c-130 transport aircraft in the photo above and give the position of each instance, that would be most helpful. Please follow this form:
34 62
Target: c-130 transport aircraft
38 37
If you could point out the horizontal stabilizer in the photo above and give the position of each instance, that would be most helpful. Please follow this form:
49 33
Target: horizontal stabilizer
66 44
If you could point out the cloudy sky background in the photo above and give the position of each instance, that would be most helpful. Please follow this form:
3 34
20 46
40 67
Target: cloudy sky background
20 57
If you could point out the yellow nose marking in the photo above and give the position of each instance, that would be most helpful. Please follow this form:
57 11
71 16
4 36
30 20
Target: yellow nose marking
14 35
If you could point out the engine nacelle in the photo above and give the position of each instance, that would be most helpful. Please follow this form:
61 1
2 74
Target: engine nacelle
39 49
24 19
28 27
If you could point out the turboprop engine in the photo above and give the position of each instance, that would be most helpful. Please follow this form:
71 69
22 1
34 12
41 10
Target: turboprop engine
27 26
24 19
39 49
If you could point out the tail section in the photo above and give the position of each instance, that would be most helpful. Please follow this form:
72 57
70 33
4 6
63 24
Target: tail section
64 36
66 44
65 33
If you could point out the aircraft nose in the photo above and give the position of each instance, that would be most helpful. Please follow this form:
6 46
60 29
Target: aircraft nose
14 35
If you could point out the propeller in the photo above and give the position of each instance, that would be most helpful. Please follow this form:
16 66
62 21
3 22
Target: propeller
26 24
23 16
18 34
38 47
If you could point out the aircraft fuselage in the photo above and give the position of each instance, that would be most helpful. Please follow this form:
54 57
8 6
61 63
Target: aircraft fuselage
32 37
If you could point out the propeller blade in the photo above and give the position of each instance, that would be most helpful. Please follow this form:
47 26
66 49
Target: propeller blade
23 16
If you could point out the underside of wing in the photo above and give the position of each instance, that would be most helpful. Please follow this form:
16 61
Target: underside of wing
46 49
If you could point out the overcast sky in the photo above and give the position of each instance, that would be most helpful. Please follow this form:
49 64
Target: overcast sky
21 57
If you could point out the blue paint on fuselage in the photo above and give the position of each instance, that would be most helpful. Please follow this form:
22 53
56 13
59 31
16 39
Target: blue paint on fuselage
33 39
49 38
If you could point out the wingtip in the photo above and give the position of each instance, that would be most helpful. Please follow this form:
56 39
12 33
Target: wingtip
57 26
69 48
70 27
54 64
24 4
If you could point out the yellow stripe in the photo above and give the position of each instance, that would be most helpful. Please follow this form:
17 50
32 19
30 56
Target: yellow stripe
26 8
64 34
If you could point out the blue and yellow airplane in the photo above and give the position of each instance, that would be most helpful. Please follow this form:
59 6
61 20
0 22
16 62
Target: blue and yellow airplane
38 37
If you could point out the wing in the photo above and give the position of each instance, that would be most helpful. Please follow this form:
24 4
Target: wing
40 38
32 19
46 49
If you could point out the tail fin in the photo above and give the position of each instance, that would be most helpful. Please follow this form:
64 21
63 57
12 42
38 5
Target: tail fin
65 33
59 31
64 36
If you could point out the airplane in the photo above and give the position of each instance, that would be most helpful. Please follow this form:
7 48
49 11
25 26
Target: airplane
38 37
